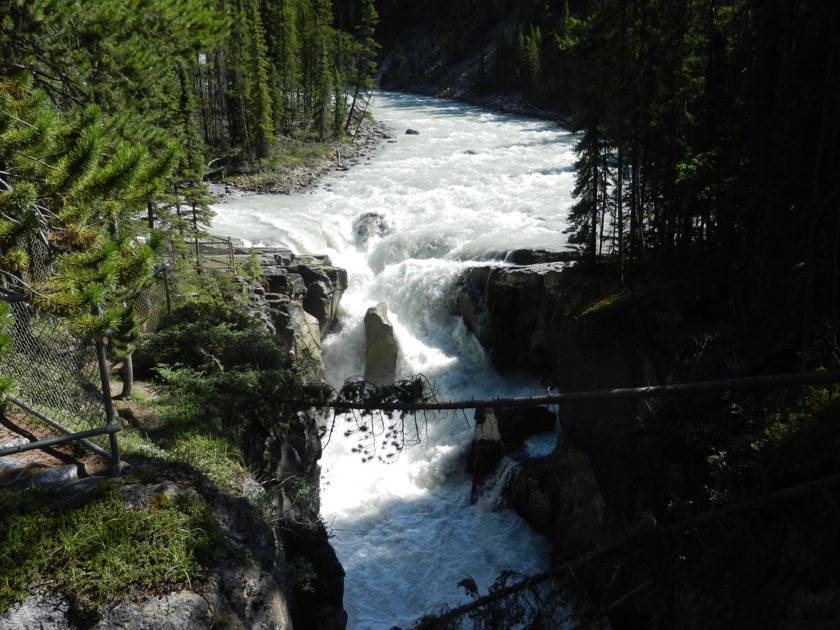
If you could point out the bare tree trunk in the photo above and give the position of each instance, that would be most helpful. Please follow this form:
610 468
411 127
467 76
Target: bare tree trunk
127 376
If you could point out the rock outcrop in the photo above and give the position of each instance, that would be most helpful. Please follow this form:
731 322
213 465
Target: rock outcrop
632 490
542 318
499 433
296 298
382 347
246 592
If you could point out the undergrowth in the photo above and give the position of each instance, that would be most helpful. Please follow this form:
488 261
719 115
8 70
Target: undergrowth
97 551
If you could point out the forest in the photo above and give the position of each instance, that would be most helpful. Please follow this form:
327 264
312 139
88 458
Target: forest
112 114
710 129
709 135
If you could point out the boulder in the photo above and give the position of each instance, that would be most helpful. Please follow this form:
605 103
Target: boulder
369 225
382 347
412 132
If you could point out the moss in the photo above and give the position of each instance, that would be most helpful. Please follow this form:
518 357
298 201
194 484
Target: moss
97 551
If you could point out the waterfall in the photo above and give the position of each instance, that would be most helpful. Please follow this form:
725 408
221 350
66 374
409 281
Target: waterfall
469 187
491 495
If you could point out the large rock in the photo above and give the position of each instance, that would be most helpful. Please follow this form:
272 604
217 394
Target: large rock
312 281
544 318
382 347
501 432
369 225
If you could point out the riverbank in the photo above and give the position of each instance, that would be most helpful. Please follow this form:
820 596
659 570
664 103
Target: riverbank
298 166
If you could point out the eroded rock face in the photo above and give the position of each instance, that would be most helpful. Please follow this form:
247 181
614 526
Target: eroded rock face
501 432
591 490
382 347
299 302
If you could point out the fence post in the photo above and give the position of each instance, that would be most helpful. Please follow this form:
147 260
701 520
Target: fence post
166 289
111 422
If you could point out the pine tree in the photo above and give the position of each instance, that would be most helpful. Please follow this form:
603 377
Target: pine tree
69 186
366 51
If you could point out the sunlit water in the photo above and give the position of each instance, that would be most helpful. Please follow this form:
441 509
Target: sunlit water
470 185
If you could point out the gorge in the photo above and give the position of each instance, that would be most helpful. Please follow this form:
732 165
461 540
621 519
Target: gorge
457 284
471 186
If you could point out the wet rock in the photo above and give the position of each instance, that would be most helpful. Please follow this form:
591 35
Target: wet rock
369 225
382 347
500 432
412 132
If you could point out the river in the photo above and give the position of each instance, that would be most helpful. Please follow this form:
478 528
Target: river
470 185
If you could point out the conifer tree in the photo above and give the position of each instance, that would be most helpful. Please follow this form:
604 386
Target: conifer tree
366 51
283 51
69 186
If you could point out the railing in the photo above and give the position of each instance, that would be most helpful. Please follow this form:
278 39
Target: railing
60 383
215 252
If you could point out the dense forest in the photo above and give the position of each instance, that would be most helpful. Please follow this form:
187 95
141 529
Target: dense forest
710 128
111 114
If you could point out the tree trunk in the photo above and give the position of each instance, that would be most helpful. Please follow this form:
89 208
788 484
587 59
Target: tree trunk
127 375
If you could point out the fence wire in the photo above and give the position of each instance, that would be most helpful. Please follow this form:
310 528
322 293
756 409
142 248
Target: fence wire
53 369
154 301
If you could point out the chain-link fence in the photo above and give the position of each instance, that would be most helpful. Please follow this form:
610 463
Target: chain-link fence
60 387
215 252
60 391
155 301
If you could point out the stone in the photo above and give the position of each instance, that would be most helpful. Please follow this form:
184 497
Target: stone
369 225
382 346
500 432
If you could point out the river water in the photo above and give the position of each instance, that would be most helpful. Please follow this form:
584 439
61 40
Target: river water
470 185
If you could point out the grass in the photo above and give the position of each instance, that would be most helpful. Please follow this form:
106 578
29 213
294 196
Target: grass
97 550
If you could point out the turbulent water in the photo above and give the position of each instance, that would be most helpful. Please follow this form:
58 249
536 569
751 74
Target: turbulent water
469 185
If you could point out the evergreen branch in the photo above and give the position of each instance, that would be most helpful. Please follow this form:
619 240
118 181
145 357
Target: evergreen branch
48 84
16 119
20 282
36 160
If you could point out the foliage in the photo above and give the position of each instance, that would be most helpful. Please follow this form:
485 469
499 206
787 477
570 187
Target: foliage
67 189
221 368
380 434
252 271
97 550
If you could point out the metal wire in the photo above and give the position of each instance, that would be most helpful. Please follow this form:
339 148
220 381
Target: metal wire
53 369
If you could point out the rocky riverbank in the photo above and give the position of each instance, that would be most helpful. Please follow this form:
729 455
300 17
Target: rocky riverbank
295 176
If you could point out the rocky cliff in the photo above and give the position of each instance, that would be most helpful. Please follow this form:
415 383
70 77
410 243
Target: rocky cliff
297 298
659 492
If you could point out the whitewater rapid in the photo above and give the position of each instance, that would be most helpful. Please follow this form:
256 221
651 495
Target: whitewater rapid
470 185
